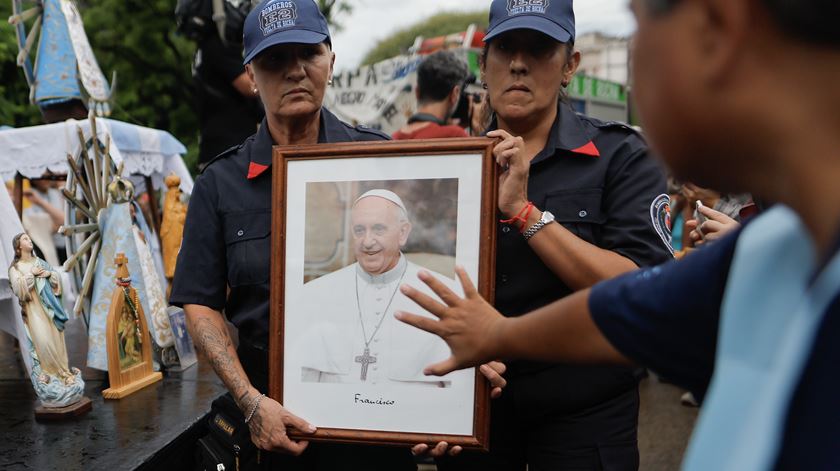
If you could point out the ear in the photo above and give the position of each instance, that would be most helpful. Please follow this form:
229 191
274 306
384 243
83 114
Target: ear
571 66
405 230
721 29
332 63
454 96
249 69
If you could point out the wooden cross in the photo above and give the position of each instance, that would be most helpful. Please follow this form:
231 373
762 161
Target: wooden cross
365 359
122 269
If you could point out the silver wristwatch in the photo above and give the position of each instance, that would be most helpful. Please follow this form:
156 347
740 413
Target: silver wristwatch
544 219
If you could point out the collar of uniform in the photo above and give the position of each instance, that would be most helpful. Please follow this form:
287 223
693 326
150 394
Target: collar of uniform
388 277
568 133
330 129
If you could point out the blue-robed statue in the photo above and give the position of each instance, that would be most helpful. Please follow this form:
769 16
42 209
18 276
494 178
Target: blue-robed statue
38 288
65 69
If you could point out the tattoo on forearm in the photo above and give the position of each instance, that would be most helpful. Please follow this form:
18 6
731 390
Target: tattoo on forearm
216 345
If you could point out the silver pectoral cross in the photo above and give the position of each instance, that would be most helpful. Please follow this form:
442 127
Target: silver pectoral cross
365 359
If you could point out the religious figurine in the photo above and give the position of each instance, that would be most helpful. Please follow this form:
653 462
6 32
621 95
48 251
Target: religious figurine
172 226
128 342
38 288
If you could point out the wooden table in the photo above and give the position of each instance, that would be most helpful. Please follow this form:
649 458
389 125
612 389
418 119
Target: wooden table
155 428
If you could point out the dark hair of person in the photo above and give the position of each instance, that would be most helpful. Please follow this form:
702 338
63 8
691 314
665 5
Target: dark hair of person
813 21
438 74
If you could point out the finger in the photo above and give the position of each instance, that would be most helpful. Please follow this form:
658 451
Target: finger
420 449
496 380
439 449
495 393
691 224
507 143
292 447
455 450
466 283
299 424
443 368
439 288
499 133
506 156
714 214
710 227
421 322
498 366
424 300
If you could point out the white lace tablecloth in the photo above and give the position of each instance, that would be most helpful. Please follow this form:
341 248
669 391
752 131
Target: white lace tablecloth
146 151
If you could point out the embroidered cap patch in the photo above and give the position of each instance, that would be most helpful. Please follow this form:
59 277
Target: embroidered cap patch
277 15
518 7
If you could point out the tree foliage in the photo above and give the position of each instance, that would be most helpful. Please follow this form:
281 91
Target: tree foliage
437 25
136 39
15 109
332 10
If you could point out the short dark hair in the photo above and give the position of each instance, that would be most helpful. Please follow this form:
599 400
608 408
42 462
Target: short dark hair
438 74
813 21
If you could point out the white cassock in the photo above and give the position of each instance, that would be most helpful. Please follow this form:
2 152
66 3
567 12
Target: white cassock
332 348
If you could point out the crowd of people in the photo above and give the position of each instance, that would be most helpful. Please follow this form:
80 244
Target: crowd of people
586 292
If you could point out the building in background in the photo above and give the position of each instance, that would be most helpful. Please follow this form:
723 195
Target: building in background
604 57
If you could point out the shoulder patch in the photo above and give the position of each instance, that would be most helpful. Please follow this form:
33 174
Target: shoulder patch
224 154
660 217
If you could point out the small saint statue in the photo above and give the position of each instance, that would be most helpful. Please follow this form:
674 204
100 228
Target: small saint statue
172 226
38 288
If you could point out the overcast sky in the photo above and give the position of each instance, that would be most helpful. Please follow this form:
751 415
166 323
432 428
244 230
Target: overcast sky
373 20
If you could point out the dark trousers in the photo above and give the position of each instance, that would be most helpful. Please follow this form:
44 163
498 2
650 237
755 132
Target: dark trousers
321 456
526 429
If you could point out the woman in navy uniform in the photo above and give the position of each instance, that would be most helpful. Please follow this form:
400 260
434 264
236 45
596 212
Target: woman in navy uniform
581 203
227 235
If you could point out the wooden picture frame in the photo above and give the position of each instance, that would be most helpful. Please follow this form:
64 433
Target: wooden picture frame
428 169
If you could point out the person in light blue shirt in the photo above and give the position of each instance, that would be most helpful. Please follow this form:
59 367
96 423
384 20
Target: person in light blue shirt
739 96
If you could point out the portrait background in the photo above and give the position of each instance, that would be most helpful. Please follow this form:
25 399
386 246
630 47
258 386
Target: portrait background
432 206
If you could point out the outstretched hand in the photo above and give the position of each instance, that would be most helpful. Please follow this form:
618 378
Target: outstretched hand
468 325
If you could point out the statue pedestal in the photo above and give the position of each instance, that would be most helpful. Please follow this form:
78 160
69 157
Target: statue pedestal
77 409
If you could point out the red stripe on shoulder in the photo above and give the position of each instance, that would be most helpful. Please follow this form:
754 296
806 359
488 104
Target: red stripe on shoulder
255 170
588 149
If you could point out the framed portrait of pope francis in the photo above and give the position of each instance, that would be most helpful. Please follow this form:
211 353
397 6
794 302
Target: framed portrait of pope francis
351 224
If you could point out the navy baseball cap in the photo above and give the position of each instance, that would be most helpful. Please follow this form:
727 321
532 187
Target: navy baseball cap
274 22
555 18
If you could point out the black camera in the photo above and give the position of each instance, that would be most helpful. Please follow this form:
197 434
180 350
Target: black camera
462 110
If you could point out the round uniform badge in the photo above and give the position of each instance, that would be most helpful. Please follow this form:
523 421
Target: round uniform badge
660 217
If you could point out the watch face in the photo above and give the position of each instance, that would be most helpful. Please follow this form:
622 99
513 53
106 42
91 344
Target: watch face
547 217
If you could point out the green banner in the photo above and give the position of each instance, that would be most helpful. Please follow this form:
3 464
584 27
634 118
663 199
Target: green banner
583 87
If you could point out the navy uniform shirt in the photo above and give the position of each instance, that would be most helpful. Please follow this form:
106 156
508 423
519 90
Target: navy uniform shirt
667 318
227 235
600 182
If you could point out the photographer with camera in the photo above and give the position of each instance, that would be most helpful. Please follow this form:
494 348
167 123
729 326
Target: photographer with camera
440 82
227 107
